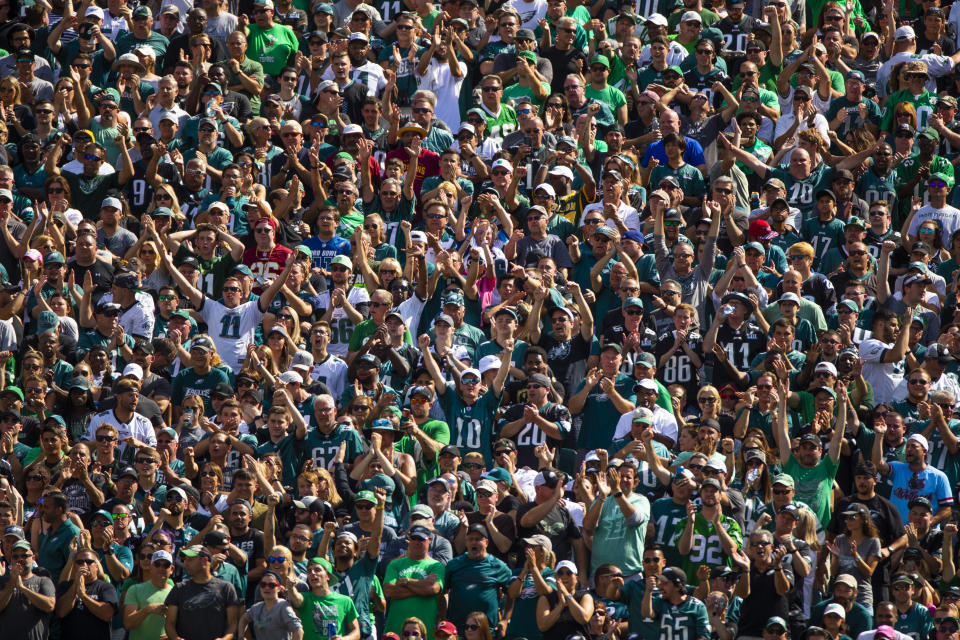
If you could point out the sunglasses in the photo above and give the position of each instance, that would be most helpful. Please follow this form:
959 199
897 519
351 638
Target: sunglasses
277 559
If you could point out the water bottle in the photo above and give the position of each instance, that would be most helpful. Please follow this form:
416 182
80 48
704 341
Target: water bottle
752 475
210 112
655 125
727 309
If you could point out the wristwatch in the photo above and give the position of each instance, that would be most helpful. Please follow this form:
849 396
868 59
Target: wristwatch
618 494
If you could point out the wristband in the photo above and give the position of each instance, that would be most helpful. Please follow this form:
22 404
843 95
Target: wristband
618 494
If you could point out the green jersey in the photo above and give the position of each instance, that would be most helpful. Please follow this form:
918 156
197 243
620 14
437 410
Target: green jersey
685 621
689 177
802 193
823 236
618 540
500 124
759 150
872 187
355 583
423 607
471 427
665 514
706 548
475 586
317 612
188 381
514 93
289 457
925 104
905 172
322 448
916 622
852 109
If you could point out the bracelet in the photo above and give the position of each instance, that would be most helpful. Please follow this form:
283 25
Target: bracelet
618 494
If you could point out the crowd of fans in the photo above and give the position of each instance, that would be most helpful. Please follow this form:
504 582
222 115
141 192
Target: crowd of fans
610 320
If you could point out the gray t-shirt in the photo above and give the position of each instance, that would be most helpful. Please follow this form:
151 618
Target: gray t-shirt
221 26
119 243
866 549
276 623
20 619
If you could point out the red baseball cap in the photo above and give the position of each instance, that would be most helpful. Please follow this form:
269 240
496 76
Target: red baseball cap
273 224
446 627
761 230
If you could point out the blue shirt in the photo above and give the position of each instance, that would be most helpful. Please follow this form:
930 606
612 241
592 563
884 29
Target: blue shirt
693 155
930 483
324 251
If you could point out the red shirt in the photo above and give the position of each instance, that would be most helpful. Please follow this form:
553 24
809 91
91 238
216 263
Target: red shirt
427 165
266 264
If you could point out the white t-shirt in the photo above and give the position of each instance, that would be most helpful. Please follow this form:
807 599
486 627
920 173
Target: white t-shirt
139 319
664 423
439 79
948 217
530 12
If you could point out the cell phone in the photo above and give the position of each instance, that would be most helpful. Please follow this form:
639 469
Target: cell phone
406 414
188 413
527 140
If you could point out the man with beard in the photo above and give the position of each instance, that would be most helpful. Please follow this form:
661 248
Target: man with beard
233 322
771 579
914 478
914 172
474 580
536 422
179 47
883 353
89 188
673 610
134 430
355 566
413 581
707 536
858 617
206 240
566 352
812 473
321 606
53 549
203 607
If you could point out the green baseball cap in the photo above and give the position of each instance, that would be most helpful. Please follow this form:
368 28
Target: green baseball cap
366 496
529 55
600 59
331 574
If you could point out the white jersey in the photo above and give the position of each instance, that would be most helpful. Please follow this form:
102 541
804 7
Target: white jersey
664 423
231 329
883 376
331 372
139 319
341 327
138 427
530 12
936 66
411 309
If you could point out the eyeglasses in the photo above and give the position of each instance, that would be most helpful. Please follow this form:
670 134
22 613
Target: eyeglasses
232 289
761 543
725 192
208 474
919 381
937 184
797 256
146 461
35 478
948 628
106 438
92 158
782 492
277 559
474 627
263 229
490 89
469 381
85 561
